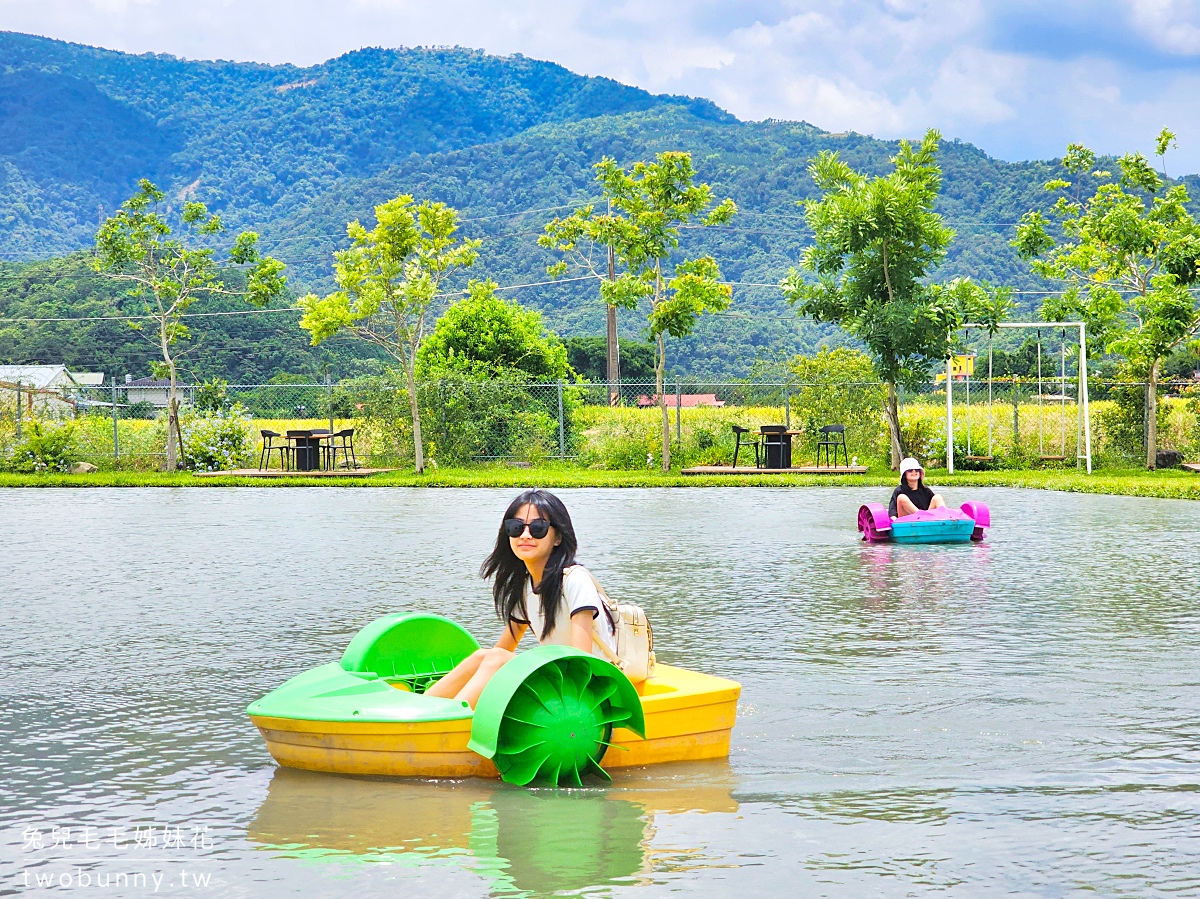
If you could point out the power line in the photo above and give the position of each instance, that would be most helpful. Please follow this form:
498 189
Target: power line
147 317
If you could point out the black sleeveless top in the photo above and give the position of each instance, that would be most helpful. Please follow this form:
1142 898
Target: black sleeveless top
921 497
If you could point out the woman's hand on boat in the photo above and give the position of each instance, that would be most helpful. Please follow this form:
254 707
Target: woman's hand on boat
511 636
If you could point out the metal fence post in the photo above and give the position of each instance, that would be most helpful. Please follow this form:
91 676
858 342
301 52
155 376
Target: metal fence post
116 441
1016 400
1145 417
787 407
18 420
329 388
678 415
562 431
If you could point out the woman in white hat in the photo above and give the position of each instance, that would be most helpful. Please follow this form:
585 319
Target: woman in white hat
913 495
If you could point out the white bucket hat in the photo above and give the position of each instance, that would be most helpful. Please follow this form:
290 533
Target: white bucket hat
910 464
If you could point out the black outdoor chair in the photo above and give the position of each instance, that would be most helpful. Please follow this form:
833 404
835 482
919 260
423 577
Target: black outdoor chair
833 438
739 433
269 446
342 442
323 446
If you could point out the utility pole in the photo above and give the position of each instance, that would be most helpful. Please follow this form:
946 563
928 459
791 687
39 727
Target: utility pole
614 347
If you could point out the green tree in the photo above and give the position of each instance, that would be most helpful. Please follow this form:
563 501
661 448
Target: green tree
876 241
485 337
588 356
136 246
646 208
1129 265
388 279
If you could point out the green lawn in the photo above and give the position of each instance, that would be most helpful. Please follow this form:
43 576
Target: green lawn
1172 484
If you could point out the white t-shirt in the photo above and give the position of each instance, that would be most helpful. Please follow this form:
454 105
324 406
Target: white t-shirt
578 593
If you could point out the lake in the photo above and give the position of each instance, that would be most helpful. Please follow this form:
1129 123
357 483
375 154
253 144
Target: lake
1018 717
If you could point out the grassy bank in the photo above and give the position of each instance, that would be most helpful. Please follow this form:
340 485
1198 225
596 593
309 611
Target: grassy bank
1171 484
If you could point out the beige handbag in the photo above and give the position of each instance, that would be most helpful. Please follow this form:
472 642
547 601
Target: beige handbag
635 637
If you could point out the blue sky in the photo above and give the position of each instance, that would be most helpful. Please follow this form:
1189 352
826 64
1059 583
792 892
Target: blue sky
1020 79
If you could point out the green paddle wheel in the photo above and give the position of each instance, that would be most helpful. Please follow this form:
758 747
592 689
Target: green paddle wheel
548 716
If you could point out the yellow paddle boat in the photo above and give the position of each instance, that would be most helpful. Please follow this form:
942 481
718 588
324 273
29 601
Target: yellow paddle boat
553 714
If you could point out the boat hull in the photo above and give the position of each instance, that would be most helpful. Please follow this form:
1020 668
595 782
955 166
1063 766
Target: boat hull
689 716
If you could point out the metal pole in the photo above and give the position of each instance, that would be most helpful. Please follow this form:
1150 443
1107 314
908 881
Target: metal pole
678 406
116 441
1041 448
991 455
329 390
968 371
18 422
949 416
787 406
614 343
1083 391
562 431
1062 394
1016 400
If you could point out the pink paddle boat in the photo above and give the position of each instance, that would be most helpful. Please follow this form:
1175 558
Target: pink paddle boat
944 525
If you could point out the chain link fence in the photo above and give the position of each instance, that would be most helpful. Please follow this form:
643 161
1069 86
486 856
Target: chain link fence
1011 422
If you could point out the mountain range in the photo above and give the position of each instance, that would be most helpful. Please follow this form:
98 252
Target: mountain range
295 153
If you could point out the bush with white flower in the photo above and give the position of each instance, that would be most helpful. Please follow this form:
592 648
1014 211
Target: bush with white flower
219 440
45 447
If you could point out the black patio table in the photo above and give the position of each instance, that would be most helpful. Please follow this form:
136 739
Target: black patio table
777 445
306 449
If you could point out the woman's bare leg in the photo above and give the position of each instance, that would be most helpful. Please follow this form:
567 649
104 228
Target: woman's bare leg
937 502
904 506
493 660
458 677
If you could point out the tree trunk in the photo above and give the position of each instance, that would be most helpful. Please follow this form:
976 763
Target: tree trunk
893 420
614 351
1152 418
418 448
614 359
659 375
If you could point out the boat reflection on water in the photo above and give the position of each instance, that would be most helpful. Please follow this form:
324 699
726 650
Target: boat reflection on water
518 839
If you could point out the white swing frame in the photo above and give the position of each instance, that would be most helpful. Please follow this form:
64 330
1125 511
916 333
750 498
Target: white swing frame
1084 425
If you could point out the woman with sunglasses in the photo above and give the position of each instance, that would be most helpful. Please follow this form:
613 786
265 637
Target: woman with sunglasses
535 584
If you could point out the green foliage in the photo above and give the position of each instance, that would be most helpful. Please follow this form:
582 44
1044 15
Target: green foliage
838 386
136 247
877 241
218 441
212 396
483 336
388 279
588 357
45 446
1129 265
647 206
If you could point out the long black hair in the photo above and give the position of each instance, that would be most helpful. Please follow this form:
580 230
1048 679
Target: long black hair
509 572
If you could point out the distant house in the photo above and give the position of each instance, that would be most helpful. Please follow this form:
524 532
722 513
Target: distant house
44 389
686 400
154 391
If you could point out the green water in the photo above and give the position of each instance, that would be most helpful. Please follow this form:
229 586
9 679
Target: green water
1019 717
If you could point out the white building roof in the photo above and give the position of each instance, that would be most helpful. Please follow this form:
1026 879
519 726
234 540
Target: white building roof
37 376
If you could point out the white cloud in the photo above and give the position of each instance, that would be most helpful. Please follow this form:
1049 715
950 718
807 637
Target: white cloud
1169 24
887 67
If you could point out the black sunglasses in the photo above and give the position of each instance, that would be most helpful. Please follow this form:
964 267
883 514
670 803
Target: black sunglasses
538 528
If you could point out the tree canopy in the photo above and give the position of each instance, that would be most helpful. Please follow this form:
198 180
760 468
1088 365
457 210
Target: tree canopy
483 336
877 240
1129 257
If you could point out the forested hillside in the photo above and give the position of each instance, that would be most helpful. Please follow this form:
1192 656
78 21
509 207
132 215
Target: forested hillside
297 152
